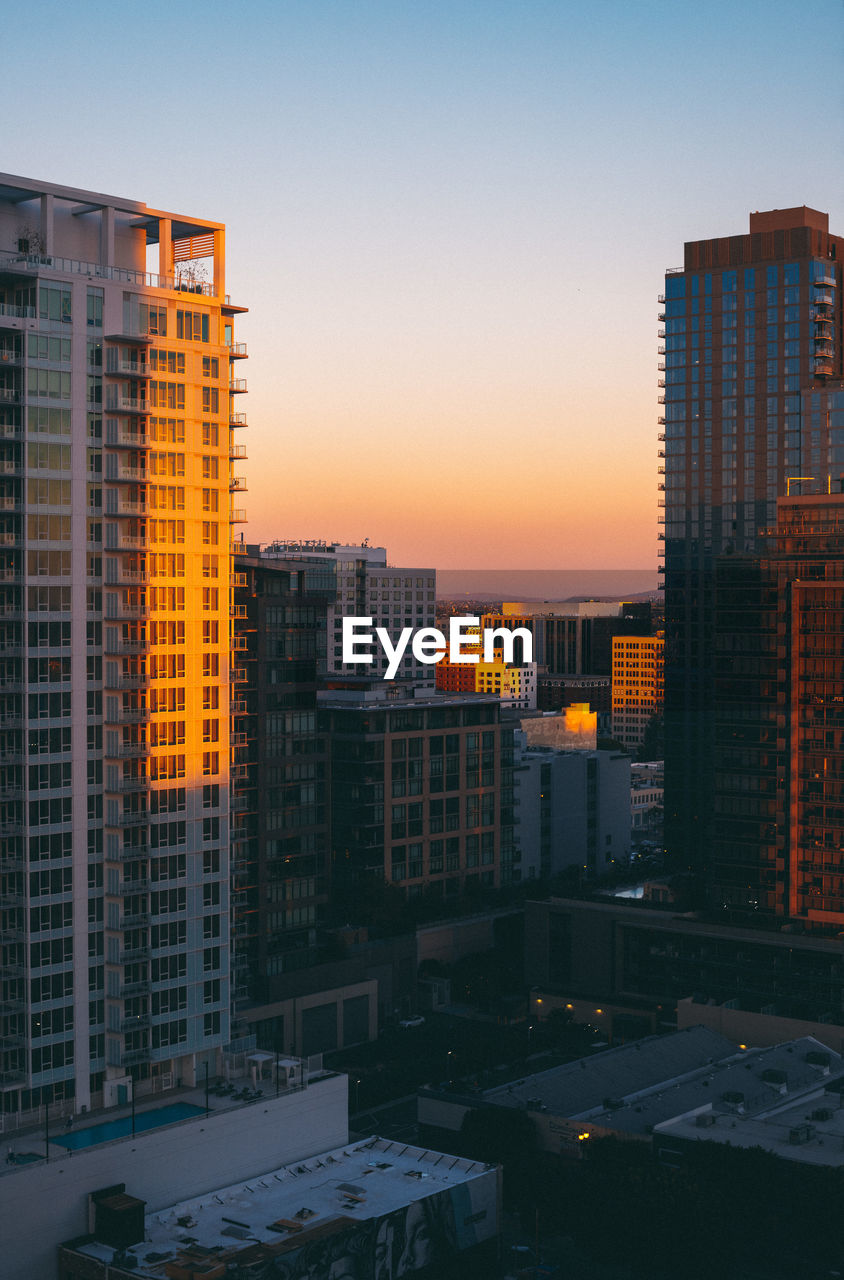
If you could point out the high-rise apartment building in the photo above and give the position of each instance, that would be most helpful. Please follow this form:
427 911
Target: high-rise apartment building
752 354
779 720
116 403
367 587
279 822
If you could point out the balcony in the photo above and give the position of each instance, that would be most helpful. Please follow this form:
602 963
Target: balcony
10 312
132 715
134 988
127 786
237 675
135 919
126 404
133 1023
122 368
128 475
123 439
130 819
129 751
237 420
237 351
237 484
127 612
237 387
237 452
133 1057
131 887
124 647
237 515
133 853
126 510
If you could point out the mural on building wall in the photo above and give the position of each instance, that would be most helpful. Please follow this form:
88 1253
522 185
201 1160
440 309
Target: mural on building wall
424 1234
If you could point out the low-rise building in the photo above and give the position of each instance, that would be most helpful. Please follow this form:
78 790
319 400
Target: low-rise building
373 1208
163 1154
647 796
661 1085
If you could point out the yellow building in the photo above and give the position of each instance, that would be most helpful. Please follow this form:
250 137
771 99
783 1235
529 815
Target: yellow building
637 685
513 684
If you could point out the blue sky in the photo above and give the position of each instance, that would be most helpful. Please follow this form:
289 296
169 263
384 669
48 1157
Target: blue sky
449 222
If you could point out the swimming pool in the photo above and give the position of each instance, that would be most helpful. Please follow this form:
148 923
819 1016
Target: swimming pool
74 1140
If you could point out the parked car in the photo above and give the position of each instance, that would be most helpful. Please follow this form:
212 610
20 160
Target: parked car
407 1023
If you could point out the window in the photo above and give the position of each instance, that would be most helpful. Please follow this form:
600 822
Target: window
54 304
192 326
95 308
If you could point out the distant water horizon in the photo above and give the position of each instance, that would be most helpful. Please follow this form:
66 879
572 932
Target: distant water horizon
545 584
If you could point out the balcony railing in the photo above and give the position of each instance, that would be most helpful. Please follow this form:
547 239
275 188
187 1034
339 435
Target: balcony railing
34 263
16 313
127 439
126 404
237 386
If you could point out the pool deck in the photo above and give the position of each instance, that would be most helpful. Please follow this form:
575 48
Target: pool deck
31 1141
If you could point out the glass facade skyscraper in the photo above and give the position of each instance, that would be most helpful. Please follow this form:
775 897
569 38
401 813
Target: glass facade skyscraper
752 358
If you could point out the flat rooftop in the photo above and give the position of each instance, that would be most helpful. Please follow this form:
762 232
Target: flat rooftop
282 1210
576 1088
810 1130
636 1087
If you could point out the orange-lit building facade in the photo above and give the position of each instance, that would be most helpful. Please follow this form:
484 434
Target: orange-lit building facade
750 370
118 426
779 720
637 682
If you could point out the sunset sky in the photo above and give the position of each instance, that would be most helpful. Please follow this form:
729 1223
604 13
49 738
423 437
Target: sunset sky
449 220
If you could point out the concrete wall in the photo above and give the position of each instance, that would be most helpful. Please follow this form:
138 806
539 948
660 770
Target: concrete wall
45 1204
293 1010
451 940
756 1029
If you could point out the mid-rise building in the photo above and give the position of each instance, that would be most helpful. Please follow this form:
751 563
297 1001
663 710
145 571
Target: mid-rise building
367 587
117 395
421 790
637 686
750 380
572 810
514 683
573 637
